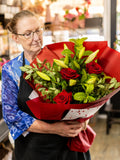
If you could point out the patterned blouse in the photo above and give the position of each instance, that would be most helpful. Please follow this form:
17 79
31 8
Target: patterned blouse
17 120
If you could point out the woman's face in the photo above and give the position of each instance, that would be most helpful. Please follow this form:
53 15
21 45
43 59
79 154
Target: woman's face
30 34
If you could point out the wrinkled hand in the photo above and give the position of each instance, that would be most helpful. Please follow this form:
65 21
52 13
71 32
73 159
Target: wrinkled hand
68 128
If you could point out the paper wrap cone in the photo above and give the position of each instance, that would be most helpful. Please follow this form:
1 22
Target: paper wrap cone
109 59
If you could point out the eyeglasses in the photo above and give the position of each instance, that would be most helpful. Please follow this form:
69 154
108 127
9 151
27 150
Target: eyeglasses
30 35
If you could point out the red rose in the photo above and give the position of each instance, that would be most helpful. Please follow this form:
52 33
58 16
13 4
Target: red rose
77 9
88 1
68 73
63 97
93 67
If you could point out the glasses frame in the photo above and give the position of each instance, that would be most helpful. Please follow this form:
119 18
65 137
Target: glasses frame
40 31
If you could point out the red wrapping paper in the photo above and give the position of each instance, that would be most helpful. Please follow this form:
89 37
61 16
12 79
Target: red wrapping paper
83 141
108 58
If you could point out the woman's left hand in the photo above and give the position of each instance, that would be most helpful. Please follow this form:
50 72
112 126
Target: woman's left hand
83 124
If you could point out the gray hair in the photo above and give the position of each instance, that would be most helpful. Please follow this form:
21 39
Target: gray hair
11 26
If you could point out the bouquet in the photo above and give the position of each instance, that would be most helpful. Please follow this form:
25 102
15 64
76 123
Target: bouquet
72 80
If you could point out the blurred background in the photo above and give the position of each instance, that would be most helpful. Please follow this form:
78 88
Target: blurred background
62 20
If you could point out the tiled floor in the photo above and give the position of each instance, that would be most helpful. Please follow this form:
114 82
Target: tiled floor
106 147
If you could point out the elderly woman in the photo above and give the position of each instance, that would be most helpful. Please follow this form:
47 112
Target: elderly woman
34 139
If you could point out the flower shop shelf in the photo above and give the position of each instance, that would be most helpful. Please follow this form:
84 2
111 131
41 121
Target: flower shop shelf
3 127
3 130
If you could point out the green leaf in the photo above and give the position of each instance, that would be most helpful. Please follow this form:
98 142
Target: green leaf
65 46
72 82
117 85
28 76
29 71
43 75
91 79
52 89
113 80
64 85
60 63
76 65
111 85
58 79
84 75
66 60
24 69
87 53
78 41
107 77
85 100
48 65
89 88
39 65
57 91
67 51
77 49
36 81
43 92
51 75
41 89
90 99
28 66
101 86
99 81
34 65
34 75
39 61
92 56
44 61
79 96
81 53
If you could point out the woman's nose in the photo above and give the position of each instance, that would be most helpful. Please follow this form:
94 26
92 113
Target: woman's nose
35 36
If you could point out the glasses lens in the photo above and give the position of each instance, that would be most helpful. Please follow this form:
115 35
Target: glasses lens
39 32
28 35
31 34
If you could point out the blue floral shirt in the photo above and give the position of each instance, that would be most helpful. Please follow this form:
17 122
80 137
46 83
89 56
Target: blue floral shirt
17 120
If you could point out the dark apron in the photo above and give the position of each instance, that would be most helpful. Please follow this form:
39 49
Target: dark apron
36 146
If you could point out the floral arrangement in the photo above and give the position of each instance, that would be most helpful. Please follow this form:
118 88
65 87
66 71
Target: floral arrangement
74 79
82 12
79 14
69 16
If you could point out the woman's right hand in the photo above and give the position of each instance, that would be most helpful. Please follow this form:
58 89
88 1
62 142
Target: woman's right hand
68 128
63 128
